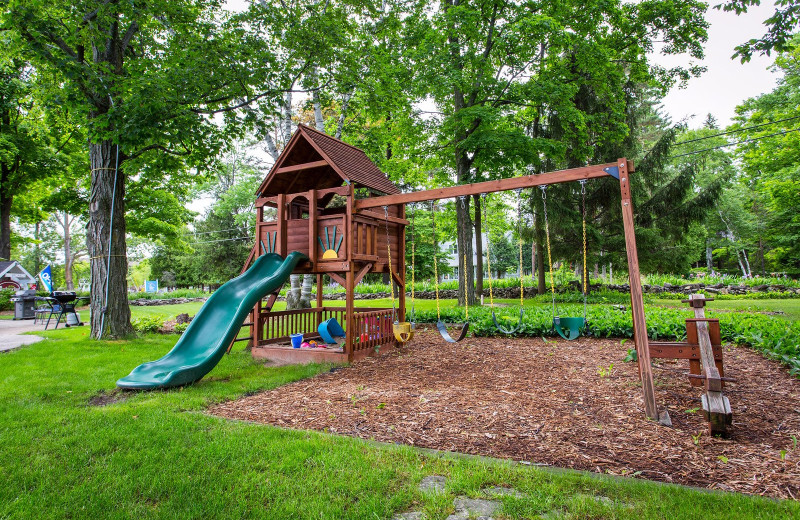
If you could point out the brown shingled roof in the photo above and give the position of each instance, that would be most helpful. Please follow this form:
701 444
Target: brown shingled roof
344 163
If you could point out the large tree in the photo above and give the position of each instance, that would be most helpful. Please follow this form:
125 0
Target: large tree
144 79
484 61
769 151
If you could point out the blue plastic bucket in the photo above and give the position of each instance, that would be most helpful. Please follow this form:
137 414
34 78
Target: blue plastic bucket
297 340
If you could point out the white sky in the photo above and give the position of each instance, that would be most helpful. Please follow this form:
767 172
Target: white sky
727 82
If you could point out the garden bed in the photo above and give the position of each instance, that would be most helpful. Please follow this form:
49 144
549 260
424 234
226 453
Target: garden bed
568 404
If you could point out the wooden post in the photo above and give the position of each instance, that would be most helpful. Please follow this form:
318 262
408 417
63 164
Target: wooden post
637 301
350 333
280 242
312 226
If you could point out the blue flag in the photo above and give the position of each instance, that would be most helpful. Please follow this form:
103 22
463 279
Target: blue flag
47 278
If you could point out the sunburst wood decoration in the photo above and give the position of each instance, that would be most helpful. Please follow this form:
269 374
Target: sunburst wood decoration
331 250
272 238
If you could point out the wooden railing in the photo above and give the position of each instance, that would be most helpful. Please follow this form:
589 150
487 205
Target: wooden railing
278 326
373 327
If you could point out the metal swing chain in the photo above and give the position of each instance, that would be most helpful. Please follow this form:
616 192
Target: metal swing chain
488 250
549 257
519 232
389 252
435 262
585 281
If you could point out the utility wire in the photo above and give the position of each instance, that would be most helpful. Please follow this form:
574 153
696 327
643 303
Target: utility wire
738 130
736 143
215 231
222 240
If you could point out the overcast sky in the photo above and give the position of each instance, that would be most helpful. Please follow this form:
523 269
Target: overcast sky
727 82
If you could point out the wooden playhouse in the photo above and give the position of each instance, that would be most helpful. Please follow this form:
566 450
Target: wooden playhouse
306 203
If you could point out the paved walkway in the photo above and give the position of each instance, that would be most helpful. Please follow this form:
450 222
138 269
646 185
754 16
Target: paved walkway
11 333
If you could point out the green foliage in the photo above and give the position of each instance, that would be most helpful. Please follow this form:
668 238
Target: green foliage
5 299
147 324
177 293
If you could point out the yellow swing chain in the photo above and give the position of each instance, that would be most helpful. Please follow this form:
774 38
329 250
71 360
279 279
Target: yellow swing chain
488 251
413 258
519 232
549 257
435 262
583 219
389 252
466 294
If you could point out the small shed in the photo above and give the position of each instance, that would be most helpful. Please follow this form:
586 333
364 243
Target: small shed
306 204
14 276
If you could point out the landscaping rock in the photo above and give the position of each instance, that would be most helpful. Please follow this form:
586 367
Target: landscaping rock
433 483
183 318
474 508
412 515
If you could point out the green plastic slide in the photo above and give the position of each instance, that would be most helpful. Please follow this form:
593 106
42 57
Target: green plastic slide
217 323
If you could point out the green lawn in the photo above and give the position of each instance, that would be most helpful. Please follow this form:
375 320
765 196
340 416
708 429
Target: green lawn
791 307
157 455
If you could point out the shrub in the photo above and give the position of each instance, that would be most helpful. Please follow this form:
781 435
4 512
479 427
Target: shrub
148 324
5 299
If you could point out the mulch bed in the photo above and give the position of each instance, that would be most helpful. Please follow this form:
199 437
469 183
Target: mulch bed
547 402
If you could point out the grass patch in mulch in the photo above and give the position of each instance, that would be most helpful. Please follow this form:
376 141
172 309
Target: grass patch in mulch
567 404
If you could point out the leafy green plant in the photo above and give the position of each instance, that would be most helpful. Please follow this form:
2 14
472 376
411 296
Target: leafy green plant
604 372
148 324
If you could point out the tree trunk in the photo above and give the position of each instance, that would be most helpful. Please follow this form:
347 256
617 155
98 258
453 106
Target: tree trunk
111 317
68 259
305 291
709 259
37 259
761 254
478 246
5 217
293 295
466 279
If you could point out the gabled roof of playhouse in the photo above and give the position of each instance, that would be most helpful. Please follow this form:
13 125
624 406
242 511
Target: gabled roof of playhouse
315 160
15 271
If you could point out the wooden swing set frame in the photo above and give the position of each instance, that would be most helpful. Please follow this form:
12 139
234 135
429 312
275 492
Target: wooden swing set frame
621 170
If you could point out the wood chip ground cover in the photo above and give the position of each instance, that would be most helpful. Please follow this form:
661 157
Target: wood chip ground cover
567 404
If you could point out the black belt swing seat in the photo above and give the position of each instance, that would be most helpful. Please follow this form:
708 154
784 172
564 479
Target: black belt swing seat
498 326
440 326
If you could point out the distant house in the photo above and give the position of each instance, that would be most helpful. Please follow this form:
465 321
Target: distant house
455 261
14 276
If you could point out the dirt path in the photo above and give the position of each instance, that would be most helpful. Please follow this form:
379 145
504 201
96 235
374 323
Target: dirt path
569 404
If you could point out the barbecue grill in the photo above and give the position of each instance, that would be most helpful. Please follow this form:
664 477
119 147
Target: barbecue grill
24 304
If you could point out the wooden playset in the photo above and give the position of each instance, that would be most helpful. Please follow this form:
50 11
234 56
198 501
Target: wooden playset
327 200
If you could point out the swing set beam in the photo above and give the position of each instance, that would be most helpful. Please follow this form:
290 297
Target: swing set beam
620 170
515 183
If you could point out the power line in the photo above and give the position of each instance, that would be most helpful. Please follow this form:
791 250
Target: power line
738 130
221 240
215 231
736 143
